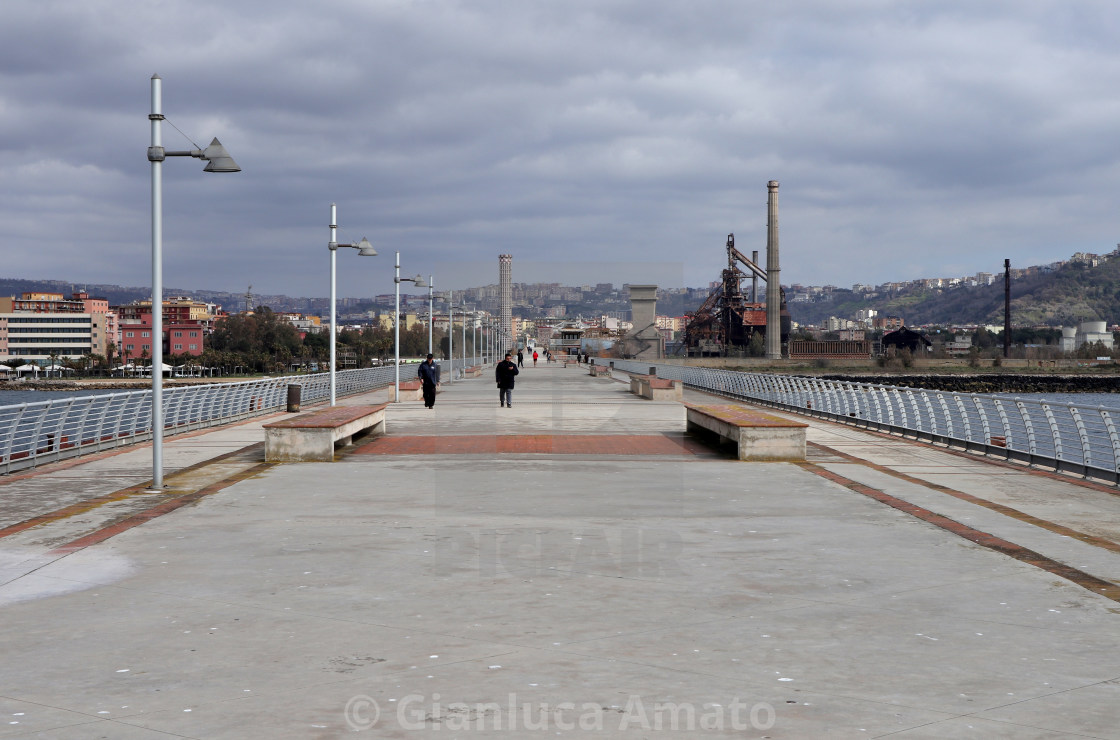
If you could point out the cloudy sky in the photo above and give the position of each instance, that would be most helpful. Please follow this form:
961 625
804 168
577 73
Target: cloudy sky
594 140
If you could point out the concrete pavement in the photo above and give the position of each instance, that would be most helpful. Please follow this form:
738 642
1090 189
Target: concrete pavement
573 565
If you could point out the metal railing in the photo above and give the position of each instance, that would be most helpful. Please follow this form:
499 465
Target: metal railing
45 431
1065 437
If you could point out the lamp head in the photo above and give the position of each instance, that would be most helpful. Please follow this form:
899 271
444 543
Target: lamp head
420 281
218 159
365 249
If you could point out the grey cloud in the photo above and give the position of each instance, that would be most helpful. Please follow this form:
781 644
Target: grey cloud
911 139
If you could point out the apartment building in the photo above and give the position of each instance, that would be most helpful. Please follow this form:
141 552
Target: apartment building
40 336
186 322
39 325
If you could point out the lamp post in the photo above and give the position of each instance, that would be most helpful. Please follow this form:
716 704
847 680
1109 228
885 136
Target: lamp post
431 316
217 160
365 249
450 336
418 281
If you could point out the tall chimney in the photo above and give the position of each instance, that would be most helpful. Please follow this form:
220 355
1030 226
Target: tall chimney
773 279
508 342
1007 308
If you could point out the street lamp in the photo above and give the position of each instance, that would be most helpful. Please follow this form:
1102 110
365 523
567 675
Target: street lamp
419 282
450 336
365 249
217 160
431 316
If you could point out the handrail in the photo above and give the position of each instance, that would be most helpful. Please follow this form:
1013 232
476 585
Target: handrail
45 431
1036 432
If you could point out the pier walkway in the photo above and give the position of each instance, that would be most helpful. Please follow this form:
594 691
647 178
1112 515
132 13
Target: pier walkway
574 565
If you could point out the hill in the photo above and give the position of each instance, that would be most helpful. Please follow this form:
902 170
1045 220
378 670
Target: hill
1072 293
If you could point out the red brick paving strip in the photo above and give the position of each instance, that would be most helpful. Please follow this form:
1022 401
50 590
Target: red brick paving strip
540 444
1086 580
1005 510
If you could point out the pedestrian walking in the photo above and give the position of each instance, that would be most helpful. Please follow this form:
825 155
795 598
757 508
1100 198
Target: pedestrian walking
534 358
428 372
503 374
520 358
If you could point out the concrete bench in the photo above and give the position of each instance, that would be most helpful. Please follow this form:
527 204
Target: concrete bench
312 437
758 436
601 371
472 372
662 389
411 390
639 384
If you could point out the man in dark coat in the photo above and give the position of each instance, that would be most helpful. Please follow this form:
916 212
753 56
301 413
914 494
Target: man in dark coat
428 372
503 374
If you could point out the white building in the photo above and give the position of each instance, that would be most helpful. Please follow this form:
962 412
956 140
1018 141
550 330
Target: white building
39 336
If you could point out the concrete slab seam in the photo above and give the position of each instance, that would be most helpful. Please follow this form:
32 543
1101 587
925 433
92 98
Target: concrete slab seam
1088 539
166 507
108 498
1087 581
986 459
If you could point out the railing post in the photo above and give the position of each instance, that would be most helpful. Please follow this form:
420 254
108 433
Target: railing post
1083 435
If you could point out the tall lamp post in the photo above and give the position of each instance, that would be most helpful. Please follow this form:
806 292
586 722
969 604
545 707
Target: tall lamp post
450 336
365 249
218 160
419 282
431 316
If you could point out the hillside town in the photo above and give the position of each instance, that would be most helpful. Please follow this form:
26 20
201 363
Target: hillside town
49 330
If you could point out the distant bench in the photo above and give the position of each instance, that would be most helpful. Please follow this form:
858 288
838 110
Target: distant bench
655 388
758 436
601 371
472 372
312 437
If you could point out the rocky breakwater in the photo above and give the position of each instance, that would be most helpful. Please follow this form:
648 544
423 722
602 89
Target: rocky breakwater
1001 383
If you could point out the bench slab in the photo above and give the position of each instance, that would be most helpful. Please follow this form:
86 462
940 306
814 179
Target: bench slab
411 390
759 436
655 388
312 437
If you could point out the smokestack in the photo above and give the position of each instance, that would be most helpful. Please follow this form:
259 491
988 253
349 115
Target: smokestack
1007 308
773 279
505 303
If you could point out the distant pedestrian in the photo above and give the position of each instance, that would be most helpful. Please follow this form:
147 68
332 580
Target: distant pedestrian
503 375
534 358
520 358
428 372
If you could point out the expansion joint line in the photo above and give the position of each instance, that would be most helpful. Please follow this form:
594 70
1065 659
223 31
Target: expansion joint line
1090 582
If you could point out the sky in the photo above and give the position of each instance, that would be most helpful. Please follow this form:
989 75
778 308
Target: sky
594 140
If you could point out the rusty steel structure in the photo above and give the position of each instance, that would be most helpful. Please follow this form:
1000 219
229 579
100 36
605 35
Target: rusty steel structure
727 321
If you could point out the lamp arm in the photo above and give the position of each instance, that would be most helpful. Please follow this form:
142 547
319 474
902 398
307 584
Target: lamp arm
158 153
